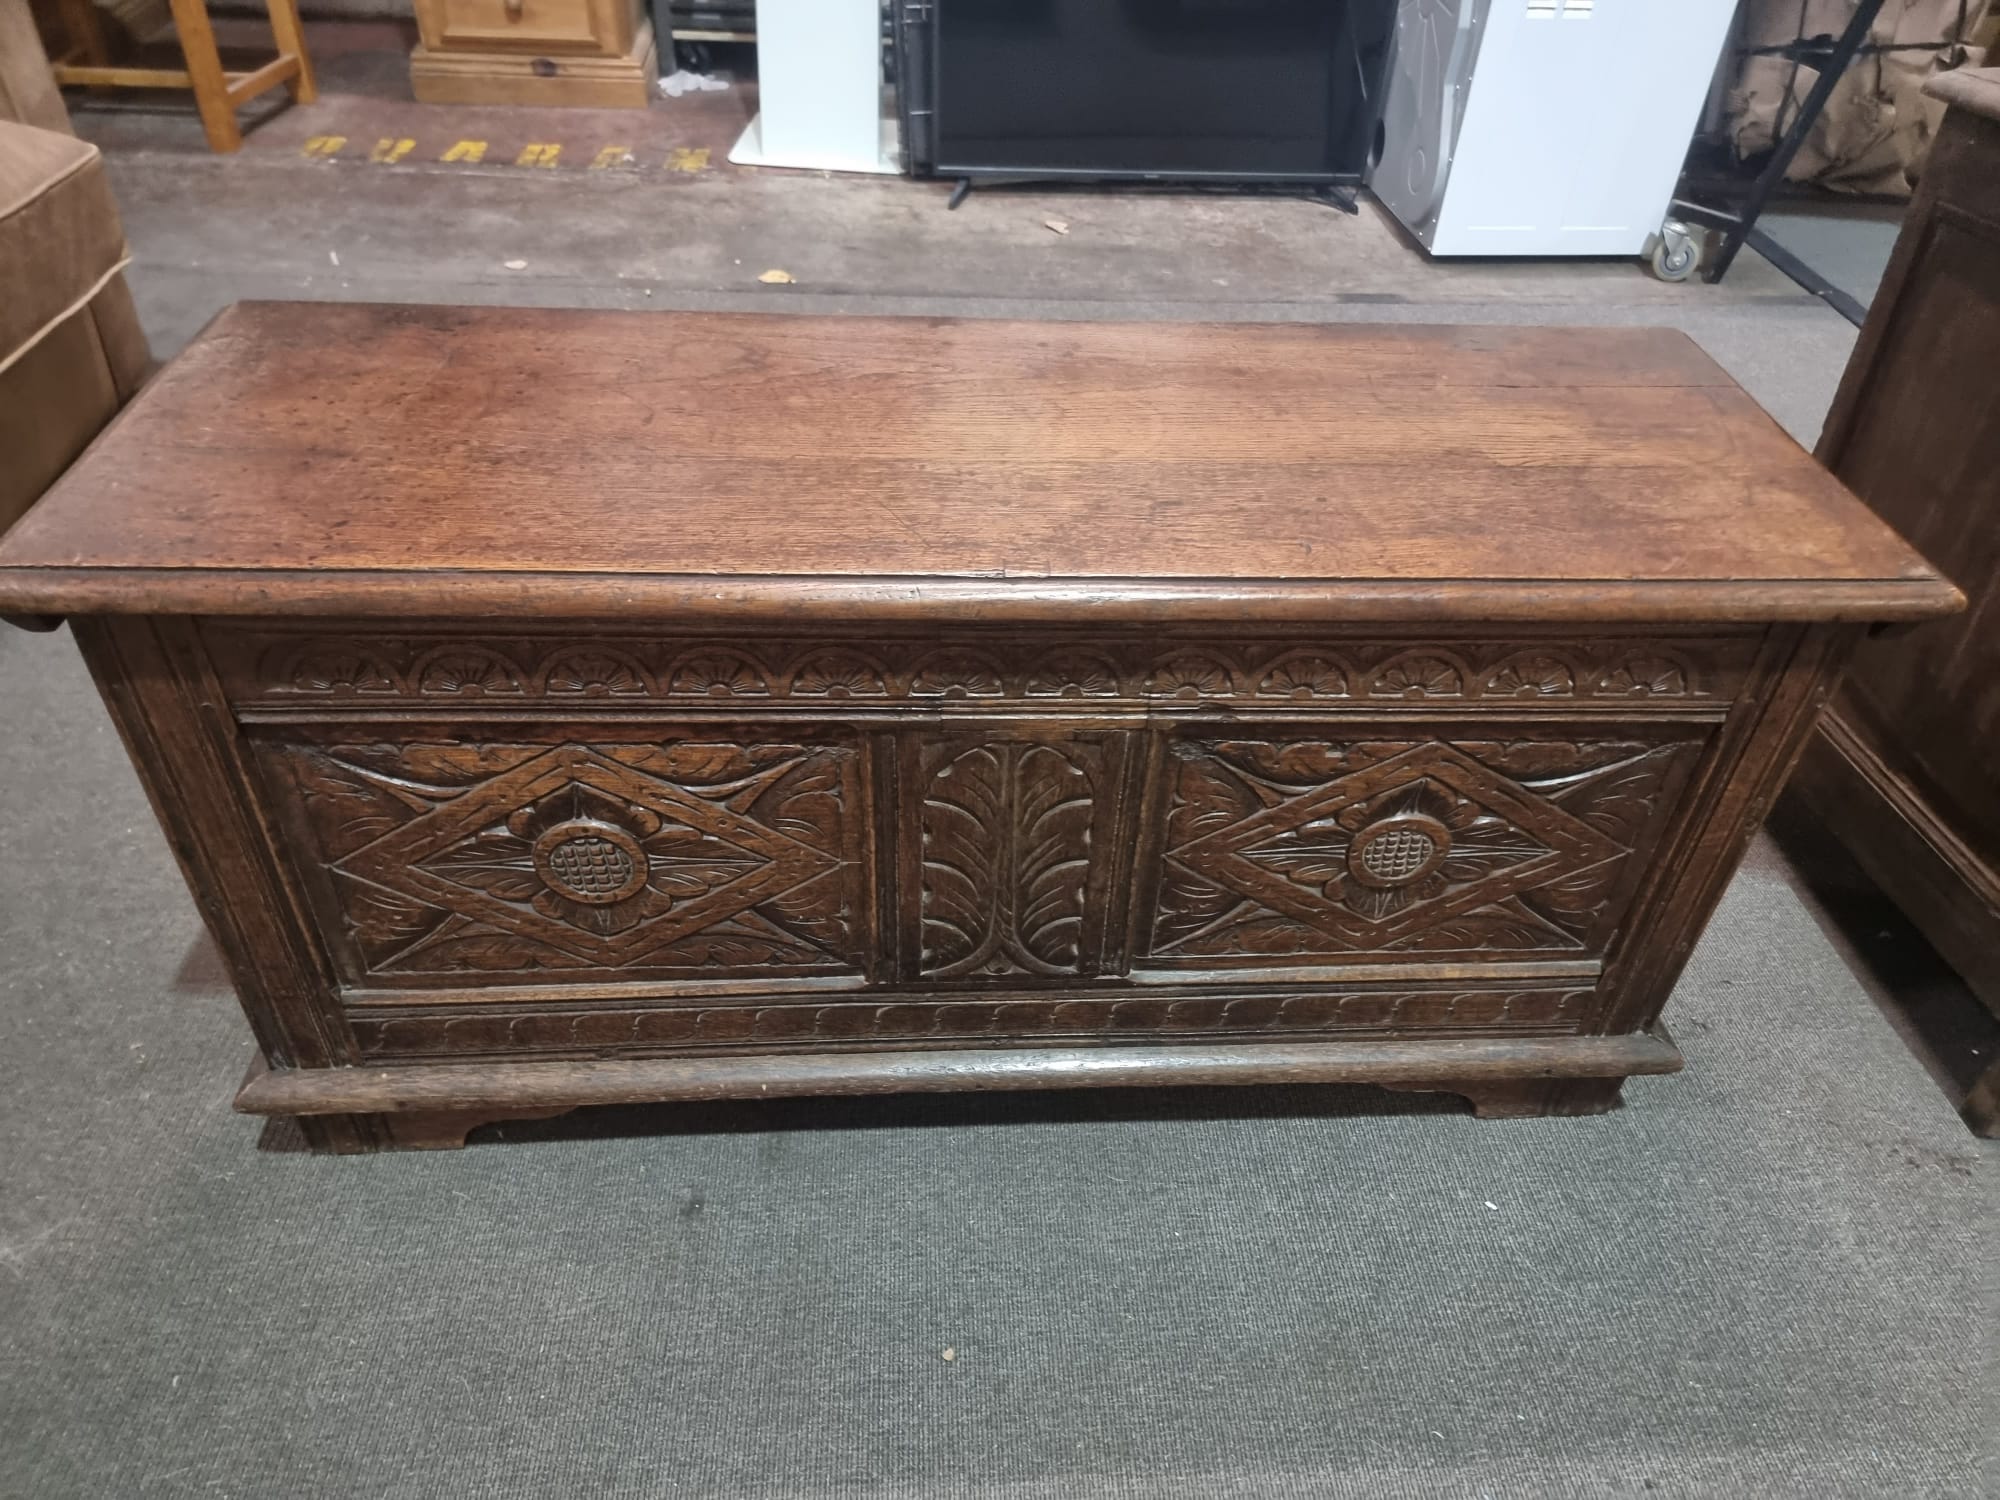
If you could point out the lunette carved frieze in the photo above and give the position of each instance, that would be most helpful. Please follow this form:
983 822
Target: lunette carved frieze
378 670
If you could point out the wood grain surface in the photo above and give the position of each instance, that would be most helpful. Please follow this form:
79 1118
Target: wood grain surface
364 459
538 1085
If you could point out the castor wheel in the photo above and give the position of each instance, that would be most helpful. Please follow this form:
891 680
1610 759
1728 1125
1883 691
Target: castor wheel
1673 252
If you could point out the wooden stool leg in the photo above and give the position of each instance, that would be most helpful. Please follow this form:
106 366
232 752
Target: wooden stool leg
204 65
86 32
292 43
408 1130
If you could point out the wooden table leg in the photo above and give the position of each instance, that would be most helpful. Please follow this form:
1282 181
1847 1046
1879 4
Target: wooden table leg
1534 1098
408 1130
446 1130
292 43
206 76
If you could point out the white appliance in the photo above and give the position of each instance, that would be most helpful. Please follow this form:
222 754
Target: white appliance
1545 127
819 89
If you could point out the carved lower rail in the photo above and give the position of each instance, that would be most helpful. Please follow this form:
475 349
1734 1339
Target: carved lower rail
1501 1076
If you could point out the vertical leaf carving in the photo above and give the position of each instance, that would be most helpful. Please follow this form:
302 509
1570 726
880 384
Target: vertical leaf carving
1007 831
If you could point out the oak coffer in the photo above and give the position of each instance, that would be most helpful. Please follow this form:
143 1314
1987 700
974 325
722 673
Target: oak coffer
557 708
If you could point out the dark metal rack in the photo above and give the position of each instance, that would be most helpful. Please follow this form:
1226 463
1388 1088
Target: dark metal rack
687 28
1829 56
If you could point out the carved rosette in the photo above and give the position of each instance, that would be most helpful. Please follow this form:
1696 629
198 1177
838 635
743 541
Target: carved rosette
597 862
1410 844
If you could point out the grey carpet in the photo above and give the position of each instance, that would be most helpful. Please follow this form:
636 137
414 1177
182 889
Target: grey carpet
1847 243
1763 1277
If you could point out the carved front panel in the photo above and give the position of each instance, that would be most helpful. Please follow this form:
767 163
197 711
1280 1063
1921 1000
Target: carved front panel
1013 851
1313 850
441 860
655 841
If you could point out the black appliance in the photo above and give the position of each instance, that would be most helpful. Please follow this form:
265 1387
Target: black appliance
1157 90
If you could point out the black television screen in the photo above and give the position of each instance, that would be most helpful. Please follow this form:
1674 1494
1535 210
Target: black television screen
1286 90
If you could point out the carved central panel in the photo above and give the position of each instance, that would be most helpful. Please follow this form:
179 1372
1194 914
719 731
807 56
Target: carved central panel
1323 849
448 859
1011 838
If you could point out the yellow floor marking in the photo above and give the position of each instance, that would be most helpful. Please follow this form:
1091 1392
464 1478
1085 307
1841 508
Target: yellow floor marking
325 145
466 151
391 150
684 159
539 154
611 156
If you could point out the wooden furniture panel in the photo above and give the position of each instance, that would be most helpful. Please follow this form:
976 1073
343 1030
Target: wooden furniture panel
590 53
530 25
894 467
1924 444
469 855
1015 837
1903 769
1009 836
1463 840
1058 713
161 694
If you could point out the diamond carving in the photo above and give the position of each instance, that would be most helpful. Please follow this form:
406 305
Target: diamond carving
447 858
1317 848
